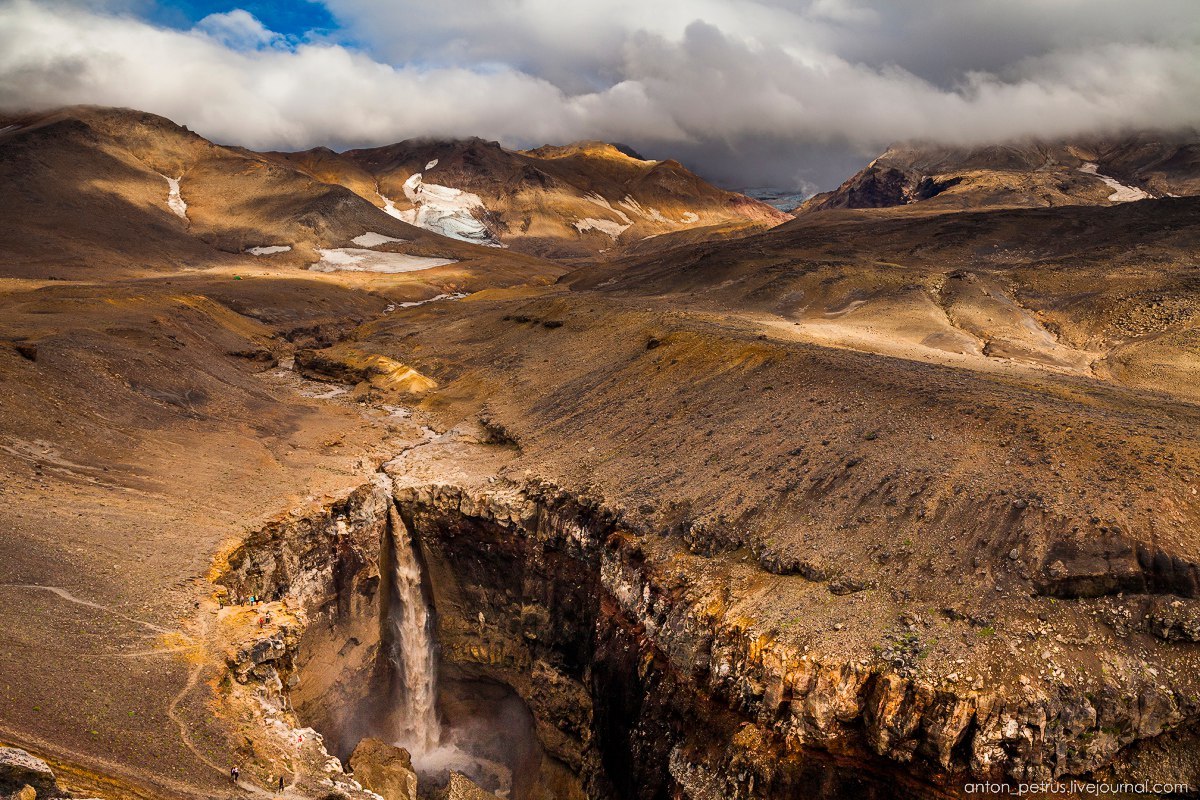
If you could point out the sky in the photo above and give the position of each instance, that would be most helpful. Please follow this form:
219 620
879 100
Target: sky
795 94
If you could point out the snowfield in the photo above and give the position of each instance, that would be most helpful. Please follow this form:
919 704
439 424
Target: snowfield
351 259
445 210
613 229
1122 193
600 201
269 249
174 198
372 239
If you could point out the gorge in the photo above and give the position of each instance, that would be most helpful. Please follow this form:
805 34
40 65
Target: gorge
633 680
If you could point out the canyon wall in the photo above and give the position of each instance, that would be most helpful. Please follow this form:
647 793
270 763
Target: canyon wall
645 676
648 680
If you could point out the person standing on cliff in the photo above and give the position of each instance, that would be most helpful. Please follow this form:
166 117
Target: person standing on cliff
234 772
280 789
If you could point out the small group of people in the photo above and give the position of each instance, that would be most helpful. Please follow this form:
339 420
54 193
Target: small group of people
235 773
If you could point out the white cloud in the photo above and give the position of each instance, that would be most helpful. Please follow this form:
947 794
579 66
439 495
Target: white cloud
723 81
237 29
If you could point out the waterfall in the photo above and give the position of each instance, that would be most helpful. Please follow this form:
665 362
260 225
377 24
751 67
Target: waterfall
413 659
414 723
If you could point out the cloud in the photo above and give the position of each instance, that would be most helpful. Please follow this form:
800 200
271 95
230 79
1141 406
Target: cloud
748 91
237 29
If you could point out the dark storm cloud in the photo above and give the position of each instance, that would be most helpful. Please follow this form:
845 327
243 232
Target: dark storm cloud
783 93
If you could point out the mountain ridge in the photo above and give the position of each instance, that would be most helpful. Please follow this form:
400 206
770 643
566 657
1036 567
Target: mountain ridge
579 200
1026 174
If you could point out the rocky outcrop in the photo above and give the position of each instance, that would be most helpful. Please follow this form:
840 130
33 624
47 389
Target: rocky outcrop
343 364
384 769
1174 619
1106 565
22 772
317 577
461 787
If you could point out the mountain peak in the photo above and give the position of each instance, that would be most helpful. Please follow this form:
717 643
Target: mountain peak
592 148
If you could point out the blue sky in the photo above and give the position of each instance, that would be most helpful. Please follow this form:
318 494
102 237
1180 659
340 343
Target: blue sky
294 18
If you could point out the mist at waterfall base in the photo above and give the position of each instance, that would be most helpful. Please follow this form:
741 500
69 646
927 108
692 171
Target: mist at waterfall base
479 728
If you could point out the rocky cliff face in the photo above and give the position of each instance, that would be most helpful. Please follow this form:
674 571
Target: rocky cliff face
646 678
325 568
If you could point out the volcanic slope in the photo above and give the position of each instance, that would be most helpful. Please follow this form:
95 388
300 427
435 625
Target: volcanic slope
875 551
929 178
100 193
1105 292
577 201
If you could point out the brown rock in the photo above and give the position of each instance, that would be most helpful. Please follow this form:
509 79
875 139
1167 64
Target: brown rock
384 769
20 771
461 787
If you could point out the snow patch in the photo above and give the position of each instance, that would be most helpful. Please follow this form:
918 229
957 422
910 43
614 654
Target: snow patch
389 207
431 165
632 205
415 303
174 198
613 229
9 129
603 203
445 210
269 249
372 239
350 259
689 217
1123 193
649 213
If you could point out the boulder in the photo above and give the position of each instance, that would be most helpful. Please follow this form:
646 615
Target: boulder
461 787
19 770
1174 619
384 769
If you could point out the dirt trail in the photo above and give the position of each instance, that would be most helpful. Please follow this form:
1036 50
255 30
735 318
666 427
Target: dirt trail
66 595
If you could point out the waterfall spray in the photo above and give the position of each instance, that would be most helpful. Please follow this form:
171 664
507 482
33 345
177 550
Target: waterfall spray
413 659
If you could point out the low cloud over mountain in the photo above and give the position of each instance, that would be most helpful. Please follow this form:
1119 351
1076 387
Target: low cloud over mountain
747 92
